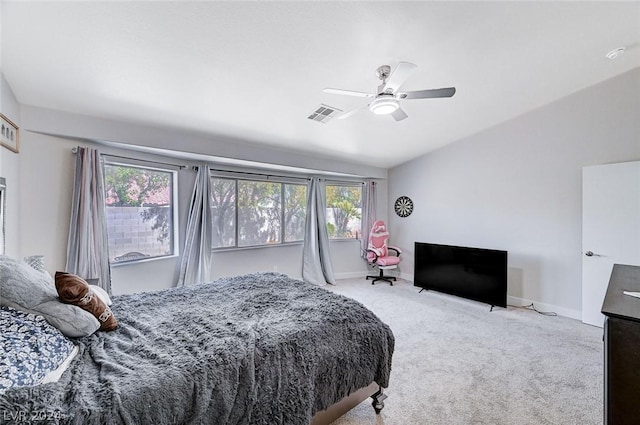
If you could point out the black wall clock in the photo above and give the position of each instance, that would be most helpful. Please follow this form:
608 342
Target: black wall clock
403 206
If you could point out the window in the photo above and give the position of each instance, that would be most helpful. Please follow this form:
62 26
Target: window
257 213
295 211
224 212
140 212
344 207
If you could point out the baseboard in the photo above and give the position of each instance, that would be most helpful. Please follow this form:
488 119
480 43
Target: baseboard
560 311
406 276
350 275
522 302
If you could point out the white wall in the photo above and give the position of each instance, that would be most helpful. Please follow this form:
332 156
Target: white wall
9 169
517 187
47 168
84 127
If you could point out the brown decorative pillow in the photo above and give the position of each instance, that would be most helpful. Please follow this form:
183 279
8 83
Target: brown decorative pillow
74 290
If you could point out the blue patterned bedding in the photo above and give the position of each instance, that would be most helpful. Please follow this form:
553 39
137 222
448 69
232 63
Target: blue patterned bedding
32 348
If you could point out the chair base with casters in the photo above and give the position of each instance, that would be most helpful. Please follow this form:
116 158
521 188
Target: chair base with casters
381 276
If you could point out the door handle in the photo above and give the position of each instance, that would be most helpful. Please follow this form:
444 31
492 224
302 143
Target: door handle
592 254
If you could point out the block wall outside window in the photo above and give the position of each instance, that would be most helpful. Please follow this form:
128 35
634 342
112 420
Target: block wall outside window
140 212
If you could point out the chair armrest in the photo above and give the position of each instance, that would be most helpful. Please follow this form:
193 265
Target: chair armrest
375 254
396 249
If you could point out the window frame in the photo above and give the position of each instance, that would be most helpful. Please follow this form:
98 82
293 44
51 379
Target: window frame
175 227
254 177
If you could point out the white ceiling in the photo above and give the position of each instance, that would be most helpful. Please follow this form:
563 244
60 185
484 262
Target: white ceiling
256 70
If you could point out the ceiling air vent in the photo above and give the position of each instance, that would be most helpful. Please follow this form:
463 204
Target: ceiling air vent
324 113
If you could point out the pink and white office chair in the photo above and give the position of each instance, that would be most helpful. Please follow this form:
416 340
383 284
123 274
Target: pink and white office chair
380 254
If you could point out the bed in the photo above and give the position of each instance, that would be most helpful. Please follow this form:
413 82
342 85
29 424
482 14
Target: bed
256 349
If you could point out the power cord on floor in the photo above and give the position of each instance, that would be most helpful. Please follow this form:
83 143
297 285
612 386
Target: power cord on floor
532 307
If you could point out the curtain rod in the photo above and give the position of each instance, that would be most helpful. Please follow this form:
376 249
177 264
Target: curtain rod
180 166
345 182
259 174
280 176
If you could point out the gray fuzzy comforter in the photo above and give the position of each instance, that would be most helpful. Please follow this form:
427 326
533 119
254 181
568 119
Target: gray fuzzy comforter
254 349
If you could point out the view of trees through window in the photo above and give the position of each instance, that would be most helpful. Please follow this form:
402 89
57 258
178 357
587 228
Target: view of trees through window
224 212
140 212
344 207
139 209
253 213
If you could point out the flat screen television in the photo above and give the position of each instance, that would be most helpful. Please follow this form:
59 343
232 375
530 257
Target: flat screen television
474 273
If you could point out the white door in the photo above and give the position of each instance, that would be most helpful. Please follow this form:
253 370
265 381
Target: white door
610 229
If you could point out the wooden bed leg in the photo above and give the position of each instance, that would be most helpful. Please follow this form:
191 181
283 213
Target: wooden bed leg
333 412
378 399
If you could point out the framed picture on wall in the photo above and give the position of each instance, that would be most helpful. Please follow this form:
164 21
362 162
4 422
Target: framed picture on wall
9 136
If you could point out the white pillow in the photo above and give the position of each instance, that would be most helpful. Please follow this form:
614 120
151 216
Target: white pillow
24 288
101 293
24 285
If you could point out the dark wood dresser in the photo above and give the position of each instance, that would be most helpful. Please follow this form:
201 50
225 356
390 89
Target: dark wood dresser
622 347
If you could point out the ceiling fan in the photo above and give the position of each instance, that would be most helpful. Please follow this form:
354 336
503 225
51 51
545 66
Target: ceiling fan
386 99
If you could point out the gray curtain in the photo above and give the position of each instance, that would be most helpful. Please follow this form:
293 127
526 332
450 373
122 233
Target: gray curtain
88 246
195 266
368 214
316 261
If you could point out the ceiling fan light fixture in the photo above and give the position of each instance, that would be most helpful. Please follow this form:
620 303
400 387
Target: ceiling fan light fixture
384 105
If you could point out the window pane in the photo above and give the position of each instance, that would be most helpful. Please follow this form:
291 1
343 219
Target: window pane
295 211
224 212
139 207
259 210
344 205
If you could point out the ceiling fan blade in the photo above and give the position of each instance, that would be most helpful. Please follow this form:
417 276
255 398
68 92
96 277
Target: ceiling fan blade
398 77
347 92
426 94
351 112
399 114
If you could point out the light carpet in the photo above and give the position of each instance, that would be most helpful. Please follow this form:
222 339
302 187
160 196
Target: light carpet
457 363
